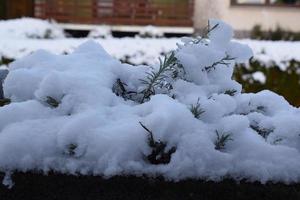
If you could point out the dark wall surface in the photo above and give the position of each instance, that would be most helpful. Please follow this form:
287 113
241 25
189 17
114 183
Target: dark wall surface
10 9
30 186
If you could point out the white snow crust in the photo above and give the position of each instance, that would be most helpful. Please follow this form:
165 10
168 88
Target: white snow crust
30 28
105 128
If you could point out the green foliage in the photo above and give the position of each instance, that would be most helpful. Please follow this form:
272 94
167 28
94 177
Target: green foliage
71 149
5 60
284 82
231 92
264 132
158 78
197 110
224 61
4 102
277 141
277 34
222 140
119 88
205 33
52 102
159 154
169 69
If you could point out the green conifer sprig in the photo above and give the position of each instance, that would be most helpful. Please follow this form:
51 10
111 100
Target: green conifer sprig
264 132
222 140
71 149
52 102
277 141
196 109
4 102
156 79
159 154
208 29
224 61
231 92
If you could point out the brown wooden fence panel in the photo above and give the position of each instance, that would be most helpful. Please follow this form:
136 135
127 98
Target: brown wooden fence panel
118 12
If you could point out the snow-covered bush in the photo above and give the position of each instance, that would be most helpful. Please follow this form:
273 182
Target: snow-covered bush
151 32
100 32
185 118
30 28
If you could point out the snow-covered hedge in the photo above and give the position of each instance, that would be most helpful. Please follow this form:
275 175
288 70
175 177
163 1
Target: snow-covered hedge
186 118
30 28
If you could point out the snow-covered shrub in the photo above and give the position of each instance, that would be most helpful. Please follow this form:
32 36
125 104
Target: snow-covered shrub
151 32
87 113
30 28
100 32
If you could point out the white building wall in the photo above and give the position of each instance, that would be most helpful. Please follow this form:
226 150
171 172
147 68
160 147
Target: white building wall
244 18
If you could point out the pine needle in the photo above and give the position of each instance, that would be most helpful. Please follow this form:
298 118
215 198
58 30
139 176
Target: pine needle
52 102
4 102
156 79
197 110
222 140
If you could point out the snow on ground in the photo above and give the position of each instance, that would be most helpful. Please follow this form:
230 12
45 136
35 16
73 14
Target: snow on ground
142 50
274 51
81 113
139 50
19 38
29 28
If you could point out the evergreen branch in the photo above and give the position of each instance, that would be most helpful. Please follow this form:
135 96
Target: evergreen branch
206 31
230 92
197 110
52 102
120 90
277 141
4 102
159 154
222 140
154 79
71 149
264 132
224 61
151 140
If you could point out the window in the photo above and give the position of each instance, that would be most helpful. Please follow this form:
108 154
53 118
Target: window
266 2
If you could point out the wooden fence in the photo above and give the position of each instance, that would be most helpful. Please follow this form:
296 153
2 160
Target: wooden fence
118 12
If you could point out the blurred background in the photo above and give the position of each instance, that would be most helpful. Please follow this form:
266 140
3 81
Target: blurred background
139 31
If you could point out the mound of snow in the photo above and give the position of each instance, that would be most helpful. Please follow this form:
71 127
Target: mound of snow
29 28
100 32
87 113
151 31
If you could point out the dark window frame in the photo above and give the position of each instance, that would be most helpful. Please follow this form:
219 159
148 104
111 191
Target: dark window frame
266 4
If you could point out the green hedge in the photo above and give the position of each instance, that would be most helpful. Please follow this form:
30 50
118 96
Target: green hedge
284 82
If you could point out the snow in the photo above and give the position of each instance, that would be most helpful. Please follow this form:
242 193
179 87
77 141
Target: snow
21 37
102 31
29 28
259 76
7 181
278 52
144 50
93 131
151 31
